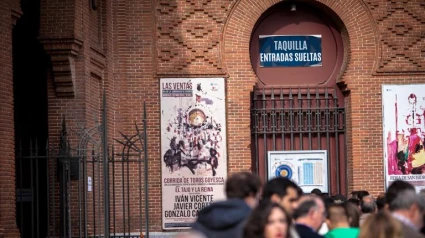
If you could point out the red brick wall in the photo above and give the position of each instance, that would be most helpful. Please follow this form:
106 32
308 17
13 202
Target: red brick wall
188 35
9 13
184 29
90 75
135 83
371 63
61 17
129 45
362 52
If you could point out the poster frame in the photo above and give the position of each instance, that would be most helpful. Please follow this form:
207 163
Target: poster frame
225 139
384 148
298 153
385 125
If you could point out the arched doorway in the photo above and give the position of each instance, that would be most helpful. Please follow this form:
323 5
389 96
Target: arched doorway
296 105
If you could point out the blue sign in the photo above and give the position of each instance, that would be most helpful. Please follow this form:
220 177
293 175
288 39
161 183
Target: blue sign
290 51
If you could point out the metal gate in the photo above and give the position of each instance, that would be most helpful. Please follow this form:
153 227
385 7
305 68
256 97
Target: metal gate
300 119
94 190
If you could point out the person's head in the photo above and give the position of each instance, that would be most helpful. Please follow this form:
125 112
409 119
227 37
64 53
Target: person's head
355 202
244 185
368 204
380 202
412 98
353 214
282 191
361 194
316 191
268 220
337 216
395 188
410 205
328 201
339 198
381 225
310 211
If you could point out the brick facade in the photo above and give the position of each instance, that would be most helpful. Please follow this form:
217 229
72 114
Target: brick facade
124 47
9 12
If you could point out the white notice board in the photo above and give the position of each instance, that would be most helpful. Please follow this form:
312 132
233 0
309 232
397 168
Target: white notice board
307 168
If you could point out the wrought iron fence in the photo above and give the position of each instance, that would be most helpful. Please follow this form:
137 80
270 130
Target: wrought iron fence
300 119
89 191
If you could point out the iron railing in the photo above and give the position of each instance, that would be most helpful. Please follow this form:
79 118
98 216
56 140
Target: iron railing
300 119
90 191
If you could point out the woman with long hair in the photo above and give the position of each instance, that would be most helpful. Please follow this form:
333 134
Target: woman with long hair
268 220
353 214
381 225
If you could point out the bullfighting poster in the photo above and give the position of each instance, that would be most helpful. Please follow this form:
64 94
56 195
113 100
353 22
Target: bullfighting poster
193 147
404 133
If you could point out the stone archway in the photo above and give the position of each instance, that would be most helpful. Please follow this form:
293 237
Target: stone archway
360 32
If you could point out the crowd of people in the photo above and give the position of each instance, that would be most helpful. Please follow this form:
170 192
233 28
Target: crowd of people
280 209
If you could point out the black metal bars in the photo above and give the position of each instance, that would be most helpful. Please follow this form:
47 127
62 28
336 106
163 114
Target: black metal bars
300 119
65 192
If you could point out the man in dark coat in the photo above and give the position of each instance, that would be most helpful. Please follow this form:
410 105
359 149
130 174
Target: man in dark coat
407 207
227 218
309 216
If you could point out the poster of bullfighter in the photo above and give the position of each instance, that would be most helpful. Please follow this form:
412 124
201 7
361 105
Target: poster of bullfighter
404 133
193 147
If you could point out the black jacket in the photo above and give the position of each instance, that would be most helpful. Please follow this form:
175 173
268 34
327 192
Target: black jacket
306 232
223 219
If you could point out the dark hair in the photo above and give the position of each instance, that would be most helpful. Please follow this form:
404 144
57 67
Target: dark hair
339 198
259 217
380 202
279 187
423 228
362 193
359 194
304 208
328 201
354 201
243 184
395 188
316 191
353 214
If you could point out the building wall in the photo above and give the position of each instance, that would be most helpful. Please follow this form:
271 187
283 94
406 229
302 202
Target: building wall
362 50
134 84
9 12
78 38
128 45
384 41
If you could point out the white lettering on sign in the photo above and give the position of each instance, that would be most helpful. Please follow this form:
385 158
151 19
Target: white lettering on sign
290 45
289 57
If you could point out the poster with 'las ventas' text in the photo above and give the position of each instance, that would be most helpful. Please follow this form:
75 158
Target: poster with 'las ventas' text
193 147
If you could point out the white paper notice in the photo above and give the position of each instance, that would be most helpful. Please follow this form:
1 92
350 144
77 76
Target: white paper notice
89 188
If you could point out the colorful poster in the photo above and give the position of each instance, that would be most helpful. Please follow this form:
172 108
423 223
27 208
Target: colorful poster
307 168
404 131
193 147
290 50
